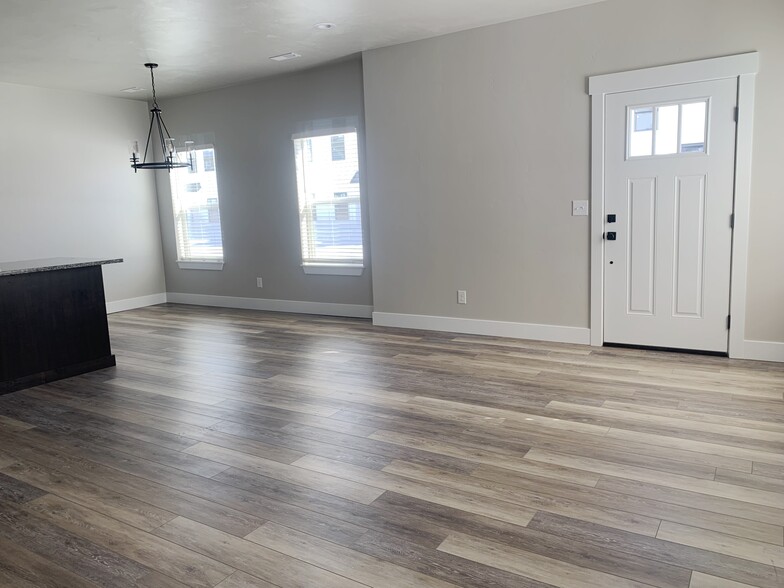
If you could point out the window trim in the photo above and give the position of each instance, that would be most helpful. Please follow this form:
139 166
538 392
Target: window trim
342 268
333 269
200 265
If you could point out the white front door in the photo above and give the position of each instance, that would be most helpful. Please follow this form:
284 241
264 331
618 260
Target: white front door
670 155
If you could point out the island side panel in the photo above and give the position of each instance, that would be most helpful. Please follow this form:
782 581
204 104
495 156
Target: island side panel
53 325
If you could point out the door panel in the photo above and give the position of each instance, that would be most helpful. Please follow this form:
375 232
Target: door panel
669 181
689 246
642 245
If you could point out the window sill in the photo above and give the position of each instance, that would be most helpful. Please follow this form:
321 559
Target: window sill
201 265
333 269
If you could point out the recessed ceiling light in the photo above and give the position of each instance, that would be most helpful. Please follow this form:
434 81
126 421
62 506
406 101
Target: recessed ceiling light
285 56
132 90
324 26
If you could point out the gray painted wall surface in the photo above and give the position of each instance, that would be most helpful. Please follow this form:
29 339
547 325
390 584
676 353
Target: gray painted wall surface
478 141
67 189
252 126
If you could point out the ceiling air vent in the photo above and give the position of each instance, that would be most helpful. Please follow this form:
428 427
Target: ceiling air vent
285 56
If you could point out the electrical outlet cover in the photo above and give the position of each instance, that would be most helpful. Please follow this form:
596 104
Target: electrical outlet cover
579 208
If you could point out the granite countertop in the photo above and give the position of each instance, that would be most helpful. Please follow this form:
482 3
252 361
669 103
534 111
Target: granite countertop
30 266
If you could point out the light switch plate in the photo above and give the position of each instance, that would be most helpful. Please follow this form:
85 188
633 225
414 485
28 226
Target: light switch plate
579 208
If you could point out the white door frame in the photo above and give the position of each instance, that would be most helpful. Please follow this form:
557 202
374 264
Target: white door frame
744 67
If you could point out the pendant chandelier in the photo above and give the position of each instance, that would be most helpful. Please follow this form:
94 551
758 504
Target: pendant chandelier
171 159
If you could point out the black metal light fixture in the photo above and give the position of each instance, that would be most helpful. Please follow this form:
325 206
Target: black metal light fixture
171 159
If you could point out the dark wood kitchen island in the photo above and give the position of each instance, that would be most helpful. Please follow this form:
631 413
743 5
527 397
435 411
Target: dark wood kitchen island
52 320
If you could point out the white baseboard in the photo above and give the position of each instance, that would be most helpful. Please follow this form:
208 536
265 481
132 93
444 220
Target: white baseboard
763 350
131 303
296 306
483 327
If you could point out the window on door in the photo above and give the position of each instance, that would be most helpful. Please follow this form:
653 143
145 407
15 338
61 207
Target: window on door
329 199
196 209
667 129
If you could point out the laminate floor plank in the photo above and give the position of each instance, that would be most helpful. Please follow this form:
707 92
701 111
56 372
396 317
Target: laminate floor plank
127 410
535 501
530 565
147 549
12 424
716 504
508 460
710 514
701 560
15 490
692 417
750 480
128 510
737 428
243 580
450 521
768 470
330 510
288 473
722 543
239 448
710 487
390 451
77 555
159 496
22 568
181 460
754 455
490 507
358 566
267 564
700 580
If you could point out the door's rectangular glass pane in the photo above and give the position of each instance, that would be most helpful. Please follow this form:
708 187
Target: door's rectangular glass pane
668 129
641 135
693 127
666 137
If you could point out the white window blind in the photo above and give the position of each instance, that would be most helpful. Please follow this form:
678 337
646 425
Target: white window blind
196 211
328 192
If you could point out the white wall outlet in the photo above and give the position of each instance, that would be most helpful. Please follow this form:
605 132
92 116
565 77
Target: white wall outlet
461 297
258 283
579 208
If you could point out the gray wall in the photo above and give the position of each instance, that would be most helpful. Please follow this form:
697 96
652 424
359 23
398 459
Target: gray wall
478 141
67 189
252 126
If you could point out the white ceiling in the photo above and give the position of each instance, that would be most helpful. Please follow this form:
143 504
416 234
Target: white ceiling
100 45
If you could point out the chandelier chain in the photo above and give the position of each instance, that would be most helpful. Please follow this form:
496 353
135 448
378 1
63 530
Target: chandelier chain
152 80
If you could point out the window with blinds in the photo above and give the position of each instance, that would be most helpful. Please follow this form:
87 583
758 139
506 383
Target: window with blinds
328 192
196 211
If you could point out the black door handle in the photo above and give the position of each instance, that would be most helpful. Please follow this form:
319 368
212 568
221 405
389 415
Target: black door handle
611 236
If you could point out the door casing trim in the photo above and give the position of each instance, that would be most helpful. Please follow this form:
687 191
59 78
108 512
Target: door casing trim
744 68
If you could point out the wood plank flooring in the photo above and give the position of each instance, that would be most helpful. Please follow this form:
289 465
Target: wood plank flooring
244 449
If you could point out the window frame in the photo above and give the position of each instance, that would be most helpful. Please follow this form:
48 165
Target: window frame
329 267
196 263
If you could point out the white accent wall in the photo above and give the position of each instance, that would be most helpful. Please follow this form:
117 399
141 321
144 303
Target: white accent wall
67 188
